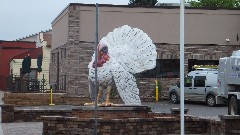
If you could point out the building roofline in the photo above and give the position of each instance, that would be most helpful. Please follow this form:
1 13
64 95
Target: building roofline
21 55
32 35
134 6
60 13
17 41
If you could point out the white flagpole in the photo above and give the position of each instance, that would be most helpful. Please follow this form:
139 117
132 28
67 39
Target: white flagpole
96 82
182 2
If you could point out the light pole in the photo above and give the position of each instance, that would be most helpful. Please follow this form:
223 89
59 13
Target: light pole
96 82
182 2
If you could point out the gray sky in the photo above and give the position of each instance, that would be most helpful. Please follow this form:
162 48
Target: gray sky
20 18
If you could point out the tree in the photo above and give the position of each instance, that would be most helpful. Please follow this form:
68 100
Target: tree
215 3
26 64
39 63
142 2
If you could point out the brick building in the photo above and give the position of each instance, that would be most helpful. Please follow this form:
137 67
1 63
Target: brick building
209 35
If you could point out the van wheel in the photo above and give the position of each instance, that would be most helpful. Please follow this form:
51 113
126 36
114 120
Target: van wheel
174 97
233 106
211 101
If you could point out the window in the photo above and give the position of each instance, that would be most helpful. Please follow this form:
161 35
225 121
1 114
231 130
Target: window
53 57
65 50
62 53
165 68
192 62
199 81
32 75
188 81
168 68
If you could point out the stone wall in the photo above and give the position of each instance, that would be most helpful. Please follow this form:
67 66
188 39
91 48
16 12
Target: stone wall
32 99
10 113
59 54
171 51
112 120
79 54
230 124
117 120
131 126
40 99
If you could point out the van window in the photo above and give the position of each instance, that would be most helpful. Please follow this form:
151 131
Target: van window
199 81
188 81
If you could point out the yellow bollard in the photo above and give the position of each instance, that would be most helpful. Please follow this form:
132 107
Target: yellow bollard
51 98
156 90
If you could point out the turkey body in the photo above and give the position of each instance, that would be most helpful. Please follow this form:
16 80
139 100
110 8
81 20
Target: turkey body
121 54
104 75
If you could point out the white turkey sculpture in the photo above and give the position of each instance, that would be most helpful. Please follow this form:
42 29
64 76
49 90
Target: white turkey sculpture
122 53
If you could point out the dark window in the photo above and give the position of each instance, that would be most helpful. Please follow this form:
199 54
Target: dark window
188 81
165 68
65 50
32 75
199 81
62 53
53 57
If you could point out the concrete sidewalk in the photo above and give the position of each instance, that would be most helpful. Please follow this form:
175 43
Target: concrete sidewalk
1 102
23 128
19 128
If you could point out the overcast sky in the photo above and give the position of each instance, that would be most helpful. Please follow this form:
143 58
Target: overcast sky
21 18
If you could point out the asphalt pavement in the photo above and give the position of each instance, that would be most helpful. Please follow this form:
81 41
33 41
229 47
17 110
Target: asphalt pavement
195 109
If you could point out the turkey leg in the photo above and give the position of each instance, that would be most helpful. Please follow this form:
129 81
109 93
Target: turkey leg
107 102
99 93
98 96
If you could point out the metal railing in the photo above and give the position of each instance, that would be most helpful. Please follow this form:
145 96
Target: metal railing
23 84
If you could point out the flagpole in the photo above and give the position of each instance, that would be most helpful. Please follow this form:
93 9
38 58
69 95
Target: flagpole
96 82
182 2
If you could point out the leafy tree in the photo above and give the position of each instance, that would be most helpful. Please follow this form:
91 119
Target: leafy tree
142 2
39 63
215 3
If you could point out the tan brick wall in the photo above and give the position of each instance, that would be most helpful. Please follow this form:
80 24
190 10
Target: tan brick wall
79 55
32 99
132 126
36 99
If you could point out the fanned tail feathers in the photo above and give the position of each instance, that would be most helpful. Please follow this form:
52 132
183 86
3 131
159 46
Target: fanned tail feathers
132 48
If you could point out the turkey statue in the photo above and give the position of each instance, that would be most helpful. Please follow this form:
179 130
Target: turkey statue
122 53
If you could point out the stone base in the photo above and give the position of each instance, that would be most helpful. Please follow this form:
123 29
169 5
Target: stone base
34 113
117 111
63 125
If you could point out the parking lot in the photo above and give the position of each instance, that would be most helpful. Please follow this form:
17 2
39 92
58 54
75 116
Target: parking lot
195 108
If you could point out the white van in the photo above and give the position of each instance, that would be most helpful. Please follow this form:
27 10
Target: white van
199 85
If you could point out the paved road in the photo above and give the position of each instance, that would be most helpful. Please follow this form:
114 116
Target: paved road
195 109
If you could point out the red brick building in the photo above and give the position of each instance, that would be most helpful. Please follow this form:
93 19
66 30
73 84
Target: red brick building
9 49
